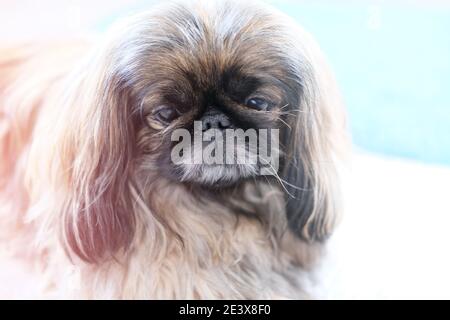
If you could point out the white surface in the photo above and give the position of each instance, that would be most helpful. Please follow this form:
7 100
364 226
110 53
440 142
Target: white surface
393 240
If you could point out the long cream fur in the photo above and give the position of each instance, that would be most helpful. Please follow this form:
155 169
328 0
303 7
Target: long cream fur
77 202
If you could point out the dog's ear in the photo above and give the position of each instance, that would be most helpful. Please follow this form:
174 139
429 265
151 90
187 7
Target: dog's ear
95 150
310 201
314 147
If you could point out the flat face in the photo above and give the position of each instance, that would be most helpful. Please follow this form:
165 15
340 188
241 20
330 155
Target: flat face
225 69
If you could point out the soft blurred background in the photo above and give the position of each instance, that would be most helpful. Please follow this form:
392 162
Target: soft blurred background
392 61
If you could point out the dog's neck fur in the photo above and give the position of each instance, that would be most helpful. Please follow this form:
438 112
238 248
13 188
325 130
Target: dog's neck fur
189 249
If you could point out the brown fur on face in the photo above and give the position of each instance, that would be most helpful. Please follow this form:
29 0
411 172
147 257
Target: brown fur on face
96 171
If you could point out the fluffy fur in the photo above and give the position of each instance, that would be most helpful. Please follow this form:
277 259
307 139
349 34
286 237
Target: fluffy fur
84 191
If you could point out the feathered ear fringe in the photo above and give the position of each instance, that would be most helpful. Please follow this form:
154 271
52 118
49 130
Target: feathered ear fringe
314 148
96 150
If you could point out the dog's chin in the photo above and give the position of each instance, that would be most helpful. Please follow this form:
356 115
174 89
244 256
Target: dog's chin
218 175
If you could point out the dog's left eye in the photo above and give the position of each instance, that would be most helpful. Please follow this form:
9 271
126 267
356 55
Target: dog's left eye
257 103
166 114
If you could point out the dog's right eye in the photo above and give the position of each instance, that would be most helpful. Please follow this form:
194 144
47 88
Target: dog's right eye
166 114
257 103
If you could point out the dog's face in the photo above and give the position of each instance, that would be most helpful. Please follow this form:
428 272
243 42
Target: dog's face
210 67
232 76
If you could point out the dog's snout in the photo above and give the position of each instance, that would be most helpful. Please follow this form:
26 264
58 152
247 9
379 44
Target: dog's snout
215 120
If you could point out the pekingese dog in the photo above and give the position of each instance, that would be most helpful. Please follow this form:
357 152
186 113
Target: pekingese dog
90 192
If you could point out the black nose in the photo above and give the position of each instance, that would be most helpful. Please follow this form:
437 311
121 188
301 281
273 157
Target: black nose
214 119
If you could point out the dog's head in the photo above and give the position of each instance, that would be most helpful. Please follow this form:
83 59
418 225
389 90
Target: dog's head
199 68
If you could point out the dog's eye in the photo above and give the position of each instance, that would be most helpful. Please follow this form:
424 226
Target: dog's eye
166 114
257 103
